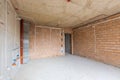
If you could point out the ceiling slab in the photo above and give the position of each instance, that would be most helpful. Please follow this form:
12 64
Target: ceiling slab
61 13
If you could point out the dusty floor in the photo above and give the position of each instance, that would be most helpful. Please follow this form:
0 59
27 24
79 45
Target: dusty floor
67 68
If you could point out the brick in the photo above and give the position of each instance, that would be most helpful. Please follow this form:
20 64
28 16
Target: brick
101 42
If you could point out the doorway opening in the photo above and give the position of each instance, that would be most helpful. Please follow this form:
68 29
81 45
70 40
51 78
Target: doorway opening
24 42
68 49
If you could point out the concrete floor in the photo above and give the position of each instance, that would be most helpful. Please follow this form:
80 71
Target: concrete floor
67 68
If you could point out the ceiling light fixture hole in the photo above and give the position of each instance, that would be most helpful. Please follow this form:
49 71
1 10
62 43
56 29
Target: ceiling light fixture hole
68 0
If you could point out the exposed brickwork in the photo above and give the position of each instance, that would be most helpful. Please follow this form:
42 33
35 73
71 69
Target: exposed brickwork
67 30
45 42
100 42
83 41
108 42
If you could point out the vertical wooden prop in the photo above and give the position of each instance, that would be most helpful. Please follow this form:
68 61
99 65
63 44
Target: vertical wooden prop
21 40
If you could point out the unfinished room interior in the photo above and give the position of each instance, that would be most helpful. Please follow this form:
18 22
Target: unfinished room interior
59 39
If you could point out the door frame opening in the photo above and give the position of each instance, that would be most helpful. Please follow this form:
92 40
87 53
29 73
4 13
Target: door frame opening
68 43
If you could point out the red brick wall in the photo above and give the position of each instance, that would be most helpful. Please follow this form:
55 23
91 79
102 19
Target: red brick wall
83 41
45 42
100 41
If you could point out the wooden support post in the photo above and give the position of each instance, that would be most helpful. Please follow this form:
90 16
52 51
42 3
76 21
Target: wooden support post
21 40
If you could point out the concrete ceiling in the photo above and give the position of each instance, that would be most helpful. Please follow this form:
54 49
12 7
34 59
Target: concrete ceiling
61 13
